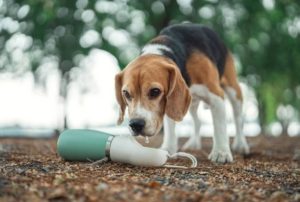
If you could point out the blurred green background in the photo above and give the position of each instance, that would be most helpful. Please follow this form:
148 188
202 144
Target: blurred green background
264 36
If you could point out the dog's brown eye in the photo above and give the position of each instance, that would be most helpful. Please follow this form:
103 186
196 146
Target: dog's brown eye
154 92
126 94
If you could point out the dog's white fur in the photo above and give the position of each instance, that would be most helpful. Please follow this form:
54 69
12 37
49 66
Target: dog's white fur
155 49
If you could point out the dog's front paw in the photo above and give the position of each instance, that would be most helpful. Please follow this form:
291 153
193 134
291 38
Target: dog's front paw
220 156
192 143
241 146
171 149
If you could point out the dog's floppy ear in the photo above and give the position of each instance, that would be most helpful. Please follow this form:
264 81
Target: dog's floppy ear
178 96
118 89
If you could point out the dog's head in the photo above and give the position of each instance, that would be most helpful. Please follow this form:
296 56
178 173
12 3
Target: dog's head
150 87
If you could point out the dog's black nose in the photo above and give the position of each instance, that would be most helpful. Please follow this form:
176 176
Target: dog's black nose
137 125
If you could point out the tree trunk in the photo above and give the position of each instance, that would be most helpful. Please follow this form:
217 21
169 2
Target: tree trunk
261 115
65 80
284 125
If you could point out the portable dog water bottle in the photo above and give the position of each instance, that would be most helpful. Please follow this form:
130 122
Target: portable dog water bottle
83 145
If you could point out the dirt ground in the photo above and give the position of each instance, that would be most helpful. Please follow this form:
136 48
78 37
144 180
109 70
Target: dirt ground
31 170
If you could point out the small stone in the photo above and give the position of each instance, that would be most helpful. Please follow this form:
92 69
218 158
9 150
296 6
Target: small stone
154 184
58 180
101 186
20 171
202 184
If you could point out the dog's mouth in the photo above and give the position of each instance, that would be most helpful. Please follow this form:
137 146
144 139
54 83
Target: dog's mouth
143 137
141 134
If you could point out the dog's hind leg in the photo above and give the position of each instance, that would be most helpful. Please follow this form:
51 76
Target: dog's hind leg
194 142
233 91
240 143
221 150
213 95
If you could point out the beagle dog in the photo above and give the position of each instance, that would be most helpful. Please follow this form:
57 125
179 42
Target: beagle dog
183 65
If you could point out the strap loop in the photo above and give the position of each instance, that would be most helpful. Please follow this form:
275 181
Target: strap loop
185 155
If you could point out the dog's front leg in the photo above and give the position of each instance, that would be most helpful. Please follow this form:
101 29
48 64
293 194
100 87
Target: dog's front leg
194 142
221 150
170 140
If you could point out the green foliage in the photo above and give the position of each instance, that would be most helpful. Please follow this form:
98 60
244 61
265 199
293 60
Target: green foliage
263 35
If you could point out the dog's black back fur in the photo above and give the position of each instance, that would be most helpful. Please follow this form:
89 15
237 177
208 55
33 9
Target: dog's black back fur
183 39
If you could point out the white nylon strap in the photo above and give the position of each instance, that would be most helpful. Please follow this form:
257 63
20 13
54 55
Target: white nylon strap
178 154
182 154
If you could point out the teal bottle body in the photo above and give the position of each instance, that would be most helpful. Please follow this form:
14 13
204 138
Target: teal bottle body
82 145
